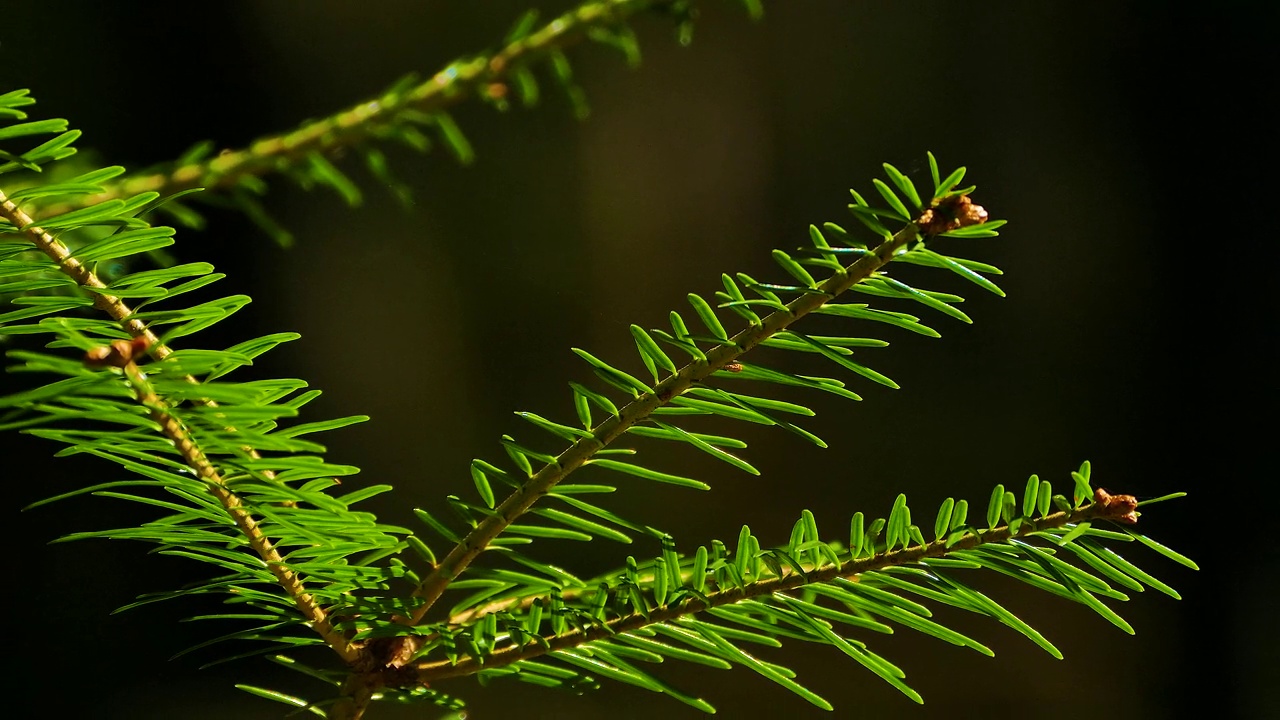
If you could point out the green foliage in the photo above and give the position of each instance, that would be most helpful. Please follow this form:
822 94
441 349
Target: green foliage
238 482
411 113
811 589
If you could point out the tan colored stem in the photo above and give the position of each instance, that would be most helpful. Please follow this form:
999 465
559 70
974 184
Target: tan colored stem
195 459
517 603
525 602
606 432
438 670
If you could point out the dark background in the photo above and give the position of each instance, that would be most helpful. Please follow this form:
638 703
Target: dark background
1123 141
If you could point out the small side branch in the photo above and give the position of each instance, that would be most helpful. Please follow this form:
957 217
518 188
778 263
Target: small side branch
583 450
1118 508
454 83
194 458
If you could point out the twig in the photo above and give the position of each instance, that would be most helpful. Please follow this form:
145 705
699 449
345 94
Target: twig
583 450
442 669
455 82
192 455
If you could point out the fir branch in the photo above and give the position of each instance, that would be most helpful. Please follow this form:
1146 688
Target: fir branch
456 82
1105 507
606 432
84 277
337 552
261 544
119 311
109 304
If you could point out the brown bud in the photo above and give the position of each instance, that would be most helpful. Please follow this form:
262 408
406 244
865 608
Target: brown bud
1121 508
951 212
732 366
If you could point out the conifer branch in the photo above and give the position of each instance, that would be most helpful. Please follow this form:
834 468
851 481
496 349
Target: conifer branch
113 306
146 340
1119 508
606 432
347 560
199 463
336 571
456 82
84 277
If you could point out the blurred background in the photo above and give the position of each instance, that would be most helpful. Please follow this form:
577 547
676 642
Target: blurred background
1119 139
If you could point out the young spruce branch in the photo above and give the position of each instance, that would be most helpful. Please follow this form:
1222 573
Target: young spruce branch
606 432
485 74
1105 507
316 573
195 458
